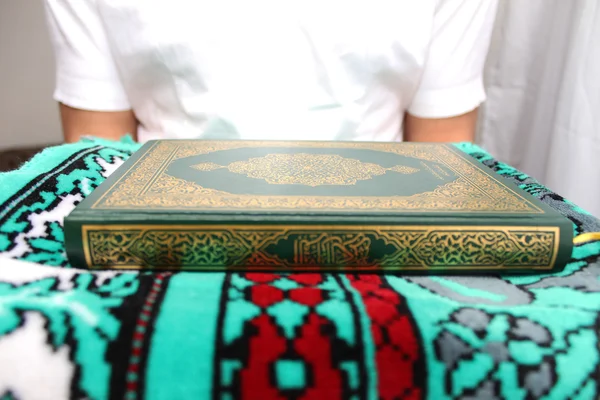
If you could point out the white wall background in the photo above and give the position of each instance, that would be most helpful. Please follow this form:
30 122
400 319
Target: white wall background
28 114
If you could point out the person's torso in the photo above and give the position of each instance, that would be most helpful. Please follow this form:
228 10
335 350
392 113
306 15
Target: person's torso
310 70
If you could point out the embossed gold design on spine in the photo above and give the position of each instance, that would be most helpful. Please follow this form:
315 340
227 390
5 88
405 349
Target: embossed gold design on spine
328 249
306 169
473 191
392 248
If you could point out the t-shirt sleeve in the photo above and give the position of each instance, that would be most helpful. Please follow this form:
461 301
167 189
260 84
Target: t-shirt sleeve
86 75
452 80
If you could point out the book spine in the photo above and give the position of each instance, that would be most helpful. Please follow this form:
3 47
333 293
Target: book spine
479 247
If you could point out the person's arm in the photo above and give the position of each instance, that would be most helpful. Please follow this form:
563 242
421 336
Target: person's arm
105 124
454 129
444 106
92 99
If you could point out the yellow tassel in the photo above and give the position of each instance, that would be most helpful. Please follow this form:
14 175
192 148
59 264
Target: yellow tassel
586 237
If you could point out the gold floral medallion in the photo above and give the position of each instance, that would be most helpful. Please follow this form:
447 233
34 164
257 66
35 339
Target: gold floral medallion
306 169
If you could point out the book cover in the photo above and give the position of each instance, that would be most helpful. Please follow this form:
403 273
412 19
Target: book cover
313 206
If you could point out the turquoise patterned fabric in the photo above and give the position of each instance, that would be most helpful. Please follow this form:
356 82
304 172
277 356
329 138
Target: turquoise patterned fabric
68 333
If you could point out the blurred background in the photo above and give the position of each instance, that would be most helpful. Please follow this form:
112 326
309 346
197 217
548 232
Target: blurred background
28 115
542 114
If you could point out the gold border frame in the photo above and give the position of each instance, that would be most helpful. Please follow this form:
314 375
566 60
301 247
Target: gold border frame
474 191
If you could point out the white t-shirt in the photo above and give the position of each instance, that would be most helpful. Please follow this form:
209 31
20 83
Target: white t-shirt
272 69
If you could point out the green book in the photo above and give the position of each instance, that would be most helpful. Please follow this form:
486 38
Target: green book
313 206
